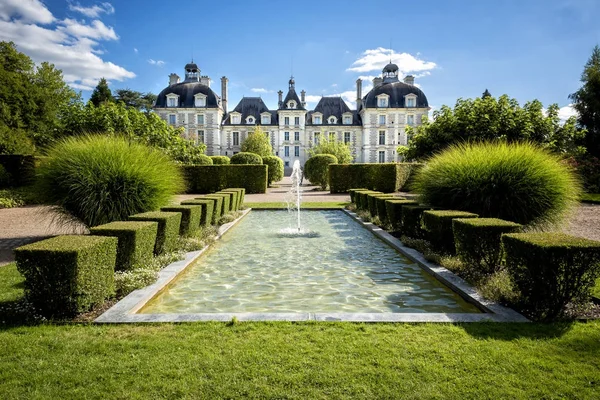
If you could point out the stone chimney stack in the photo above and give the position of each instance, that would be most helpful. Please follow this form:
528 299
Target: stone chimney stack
409 80
173 79
377 81
280 93
224 82
303 98
358 93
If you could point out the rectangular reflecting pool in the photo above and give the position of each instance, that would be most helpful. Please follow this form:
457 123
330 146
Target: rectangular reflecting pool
262 265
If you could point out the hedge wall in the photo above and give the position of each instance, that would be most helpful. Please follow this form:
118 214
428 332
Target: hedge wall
212 178
168 228
207 209
190 217
438 225
21 169
217 207
393 211
388 177
232 199
239 193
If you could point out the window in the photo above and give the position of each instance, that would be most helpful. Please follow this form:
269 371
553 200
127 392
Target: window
410 102
382 156
200 102
250 120
296 136
172 119
381 137
296 151
286 136
297 121
287 163
317 137
382 102
331 136
410 119
347 120
200 119
200 137
172 102
292 104
317 120
236 138
235 119
265 119
382 120
286 121
346 137
332 120
286 151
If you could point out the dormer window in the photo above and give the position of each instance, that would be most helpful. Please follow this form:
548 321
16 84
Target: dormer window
410 102
317 119
250 120
172 100
383 100
265 119
235 119
292 104
332 120
347 119
200 100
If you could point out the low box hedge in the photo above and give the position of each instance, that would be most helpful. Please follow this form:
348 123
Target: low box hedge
551 269
356 197
207 213
232 199
20 168
372 202
393 211
190 217
212 178
240 196
351 192
479 243
438 225
363 200
384 177
168 228
67 275
224 201
217 206
136 241
412 220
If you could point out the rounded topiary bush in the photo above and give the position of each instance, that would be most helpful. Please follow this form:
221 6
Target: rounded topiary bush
202 159
518 182
316 169
220 160
275 171
246 158
99 179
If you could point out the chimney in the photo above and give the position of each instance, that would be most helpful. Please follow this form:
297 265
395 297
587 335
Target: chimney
358 93
377 81
173 79
303 98
280 93
409 80
224 81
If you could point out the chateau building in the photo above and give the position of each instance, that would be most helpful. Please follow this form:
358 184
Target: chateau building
374 130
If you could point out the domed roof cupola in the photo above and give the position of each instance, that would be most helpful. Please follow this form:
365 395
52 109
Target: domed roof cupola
390 73
192 72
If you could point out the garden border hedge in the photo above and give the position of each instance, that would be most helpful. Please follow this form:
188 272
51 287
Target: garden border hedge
203 179
168 228
393 210
384 177
207 209
190 217
438 225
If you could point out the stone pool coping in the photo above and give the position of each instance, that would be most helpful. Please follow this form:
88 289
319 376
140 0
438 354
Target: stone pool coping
125 310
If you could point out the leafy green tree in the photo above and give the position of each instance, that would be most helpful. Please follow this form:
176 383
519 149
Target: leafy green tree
138 100
332 146
258 143
586 101
101 93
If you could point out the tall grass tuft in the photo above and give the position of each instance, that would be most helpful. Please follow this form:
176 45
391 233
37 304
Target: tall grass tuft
99 179
517 182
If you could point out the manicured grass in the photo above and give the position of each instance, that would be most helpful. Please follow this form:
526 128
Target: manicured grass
323 204
593 198
11 283
596 289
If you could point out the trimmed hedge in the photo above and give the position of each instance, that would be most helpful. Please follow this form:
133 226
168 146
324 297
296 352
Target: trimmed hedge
20 168
316 169
207 209
411 220
372 202
551 270
67 275
168 228
356 196
246 158
202 159
362 201
393 211
275 172
212 178
438 225
479 242
217 206
190 217
233 198
238 197
220 160
384 177
352 191
242 193
136 240
226 208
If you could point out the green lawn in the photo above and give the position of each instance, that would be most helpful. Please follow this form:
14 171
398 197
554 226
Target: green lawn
323 204
593 198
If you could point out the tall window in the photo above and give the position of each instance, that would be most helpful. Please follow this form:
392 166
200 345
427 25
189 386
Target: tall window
382 120
296 121
172 119
296 136
410 102
346 137
236 138
381 137
286 136
296 151
382 156
286 120
410 119
382 102
317 137
172 102
286 151
317 120
200 119
201 137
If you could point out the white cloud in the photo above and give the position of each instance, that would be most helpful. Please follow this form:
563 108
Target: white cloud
376 59
26 10
334 85
135 50
311 98
261 90
97 30
158 63
93 11
564 113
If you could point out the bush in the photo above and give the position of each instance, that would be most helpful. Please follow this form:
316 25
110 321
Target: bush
362 199
202 159
246 158
393 211
207 209
275 172
372 202
551 270
388 177
15 141
212 178
257 142
136 241
168 229
233 198
588 168
67 275
238 198
217 207
220 160
20 168
4 177
226 203
438 225
352 194
190 217
411 220
316 169
99 179
517 182
479 245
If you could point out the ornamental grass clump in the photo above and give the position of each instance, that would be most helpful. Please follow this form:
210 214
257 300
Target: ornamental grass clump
100 179
518 182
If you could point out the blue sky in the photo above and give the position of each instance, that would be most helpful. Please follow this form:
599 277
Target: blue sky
527 49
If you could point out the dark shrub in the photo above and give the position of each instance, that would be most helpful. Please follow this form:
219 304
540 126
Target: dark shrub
20 168
168 228
136 241
220 160
551 269
67 275
212 178
387 177
207 209
372 202
190 217
15 141
351 192
99 179
517 182
363 199
233 198
275 172
411 220
393 211
316 169
246 158
479 244
4 177
202 159
438 225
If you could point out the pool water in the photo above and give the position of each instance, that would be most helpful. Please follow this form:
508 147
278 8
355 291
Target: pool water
338 266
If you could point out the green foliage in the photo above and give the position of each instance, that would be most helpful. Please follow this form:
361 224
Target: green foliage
136 242
362 201
488 118
372 202
246 158
20 168
217 207
275 172
201 159
316 169
212 178
131 98
226 201
15 141
592 198
479 245
438 225
233 198
411 220
4 177
99 179
340 150
220 160
388 177
551 270
101 94
190 217
351 192
257 142
207 209
588 168
238 198
168 229
66 275
393 211
517 182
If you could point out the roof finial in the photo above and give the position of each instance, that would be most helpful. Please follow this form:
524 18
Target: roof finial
391 50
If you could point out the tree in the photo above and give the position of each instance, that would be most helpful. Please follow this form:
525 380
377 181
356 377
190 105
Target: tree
332 146
258 143
586 101
101 93
138 100
486 94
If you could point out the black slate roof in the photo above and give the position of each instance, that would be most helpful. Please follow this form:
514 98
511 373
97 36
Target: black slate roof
396 90
251 106
186 92
332 106
291 95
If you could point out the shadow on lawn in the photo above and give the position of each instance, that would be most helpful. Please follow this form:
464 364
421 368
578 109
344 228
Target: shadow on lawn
512 331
